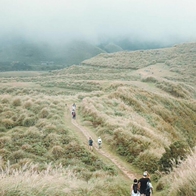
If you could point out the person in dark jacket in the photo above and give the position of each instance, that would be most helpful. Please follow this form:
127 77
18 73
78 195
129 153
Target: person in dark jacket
90 143
142 183
73 114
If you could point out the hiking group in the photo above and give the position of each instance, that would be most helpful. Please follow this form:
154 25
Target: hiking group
142 187
90 143
73 112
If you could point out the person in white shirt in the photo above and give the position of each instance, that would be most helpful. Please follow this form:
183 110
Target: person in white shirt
99 141
134 188
74 107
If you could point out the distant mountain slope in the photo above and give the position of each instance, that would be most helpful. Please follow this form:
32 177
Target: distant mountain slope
180 59
77 51
26 55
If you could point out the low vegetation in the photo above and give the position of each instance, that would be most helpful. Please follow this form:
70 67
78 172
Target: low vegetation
181 181
36 145
142 104
58 180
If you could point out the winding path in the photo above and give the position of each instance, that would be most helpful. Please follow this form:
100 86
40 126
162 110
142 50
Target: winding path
107 155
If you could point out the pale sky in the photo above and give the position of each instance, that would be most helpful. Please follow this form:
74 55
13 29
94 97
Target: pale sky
57 20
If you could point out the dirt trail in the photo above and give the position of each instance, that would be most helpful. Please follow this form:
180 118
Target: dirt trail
101 151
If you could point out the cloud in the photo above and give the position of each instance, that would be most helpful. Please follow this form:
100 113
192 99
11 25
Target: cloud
63 20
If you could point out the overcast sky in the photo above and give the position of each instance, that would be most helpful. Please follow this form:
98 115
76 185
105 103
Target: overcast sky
62 20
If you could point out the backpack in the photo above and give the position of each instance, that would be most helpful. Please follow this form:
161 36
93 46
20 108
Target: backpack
148 187
73 114
135 188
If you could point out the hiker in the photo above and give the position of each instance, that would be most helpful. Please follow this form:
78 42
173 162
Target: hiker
90 143
149 189
73 114
143 182
74 107
134 188
99 141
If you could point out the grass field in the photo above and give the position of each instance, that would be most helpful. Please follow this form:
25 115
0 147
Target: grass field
142 104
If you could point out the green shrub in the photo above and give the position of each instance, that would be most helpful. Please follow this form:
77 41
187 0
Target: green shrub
161 185
44 113
6 99
41 123
4 153
28 104
15 156
149 79
86 175
57 151
33 132
56 117
124 147
29 121
156 176
4 140
14 118
49 128
38 149
3 129
8 123
26 147
110 170
19 120
147 162
16 102
52 139
1 108
36 108
8 113
173 155
60 129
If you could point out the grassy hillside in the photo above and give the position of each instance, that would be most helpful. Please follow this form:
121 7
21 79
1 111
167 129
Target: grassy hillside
141 103
34 139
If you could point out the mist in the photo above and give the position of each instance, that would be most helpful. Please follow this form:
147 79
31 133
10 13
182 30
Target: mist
60 21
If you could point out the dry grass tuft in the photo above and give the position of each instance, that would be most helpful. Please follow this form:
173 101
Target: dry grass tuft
29 121
32 132
5 140
57 151
182 180
6 99
28 104
44 113
53 138
56 180
16 102
8 123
